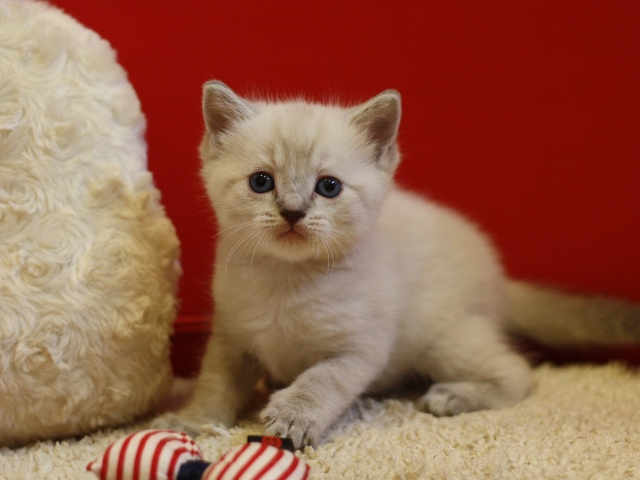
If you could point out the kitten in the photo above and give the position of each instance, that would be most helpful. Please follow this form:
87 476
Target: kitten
338 283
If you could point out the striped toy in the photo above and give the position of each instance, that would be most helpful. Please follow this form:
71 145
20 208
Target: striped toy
146 455
253 461
170 455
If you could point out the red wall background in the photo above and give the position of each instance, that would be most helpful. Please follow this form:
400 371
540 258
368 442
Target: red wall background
523 115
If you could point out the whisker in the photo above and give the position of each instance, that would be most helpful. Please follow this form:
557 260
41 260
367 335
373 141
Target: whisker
315 244
324 244
342 248
254 250
331 257
347 258
262 248
249 236
248 243
348 238
236 228
346 255
334 257
240 225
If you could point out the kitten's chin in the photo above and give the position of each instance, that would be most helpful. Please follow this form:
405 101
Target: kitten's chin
291 247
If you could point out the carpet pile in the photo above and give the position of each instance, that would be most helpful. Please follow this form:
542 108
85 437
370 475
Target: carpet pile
583 422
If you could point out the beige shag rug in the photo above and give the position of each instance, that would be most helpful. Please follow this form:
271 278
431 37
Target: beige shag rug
583 422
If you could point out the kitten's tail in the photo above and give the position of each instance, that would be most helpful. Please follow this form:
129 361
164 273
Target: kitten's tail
559 319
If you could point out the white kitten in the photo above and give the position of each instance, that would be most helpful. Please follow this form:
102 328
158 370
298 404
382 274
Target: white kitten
338 283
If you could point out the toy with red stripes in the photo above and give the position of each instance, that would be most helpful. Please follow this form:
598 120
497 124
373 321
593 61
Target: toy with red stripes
170 455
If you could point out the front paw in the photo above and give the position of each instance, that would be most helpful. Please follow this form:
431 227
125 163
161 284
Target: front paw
291 414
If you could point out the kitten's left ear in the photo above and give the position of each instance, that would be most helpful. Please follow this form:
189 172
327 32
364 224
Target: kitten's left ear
222 108
379 119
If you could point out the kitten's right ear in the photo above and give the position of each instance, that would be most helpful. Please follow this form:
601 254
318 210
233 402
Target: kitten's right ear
378 119
222 108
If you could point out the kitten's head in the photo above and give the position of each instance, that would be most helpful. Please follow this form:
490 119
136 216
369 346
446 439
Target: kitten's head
296 180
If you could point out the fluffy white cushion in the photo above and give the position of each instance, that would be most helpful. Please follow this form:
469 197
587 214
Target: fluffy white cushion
88 258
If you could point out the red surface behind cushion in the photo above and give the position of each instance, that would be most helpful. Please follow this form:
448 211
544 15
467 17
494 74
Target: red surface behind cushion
523 115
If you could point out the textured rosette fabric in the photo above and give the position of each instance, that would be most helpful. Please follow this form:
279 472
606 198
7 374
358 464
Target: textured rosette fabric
88 258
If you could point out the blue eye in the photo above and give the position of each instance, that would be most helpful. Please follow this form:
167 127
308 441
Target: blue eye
328 187
261 182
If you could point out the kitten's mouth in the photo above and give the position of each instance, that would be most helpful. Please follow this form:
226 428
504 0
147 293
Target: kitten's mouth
292 234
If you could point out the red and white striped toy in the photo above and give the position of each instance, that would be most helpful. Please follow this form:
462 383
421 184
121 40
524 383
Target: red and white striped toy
169 455
146 455
253 461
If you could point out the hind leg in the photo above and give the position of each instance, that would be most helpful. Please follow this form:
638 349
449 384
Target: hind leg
473 369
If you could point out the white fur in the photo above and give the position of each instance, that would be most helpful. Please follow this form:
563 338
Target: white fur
368 290
88 259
